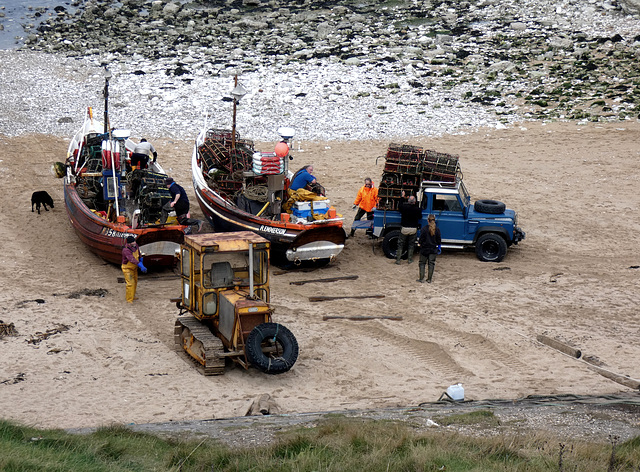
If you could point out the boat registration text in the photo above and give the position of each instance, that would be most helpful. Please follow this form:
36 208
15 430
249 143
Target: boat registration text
272 230
112 233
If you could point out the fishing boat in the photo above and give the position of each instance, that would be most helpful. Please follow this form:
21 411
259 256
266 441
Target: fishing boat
241 189
107 200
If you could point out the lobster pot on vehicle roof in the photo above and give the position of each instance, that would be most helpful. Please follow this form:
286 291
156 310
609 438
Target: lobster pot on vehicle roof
406 167
486 226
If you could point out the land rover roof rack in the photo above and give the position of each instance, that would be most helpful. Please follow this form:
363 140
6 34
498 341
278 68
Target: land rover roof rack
440 183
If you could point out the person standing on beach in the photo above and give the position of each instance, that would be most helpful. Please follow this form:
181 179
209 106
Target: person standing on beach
410 215
365 202
131 262
430 247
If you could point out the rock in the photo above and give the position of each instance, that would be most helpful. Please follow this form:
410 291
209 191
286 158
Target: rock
263 405
630 6
459 50
353 61
110 13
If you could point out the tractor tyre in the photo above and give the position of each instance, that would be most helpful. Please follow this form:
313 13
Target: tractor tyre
390 244
491 247
272 348
492 207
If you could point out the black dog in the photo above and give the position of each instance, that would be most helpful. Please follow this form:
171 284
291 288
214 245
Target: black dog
41 198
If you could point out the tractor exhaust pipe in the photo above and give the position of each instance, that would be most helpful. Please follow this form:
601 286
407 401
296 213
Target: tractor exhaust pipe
251 294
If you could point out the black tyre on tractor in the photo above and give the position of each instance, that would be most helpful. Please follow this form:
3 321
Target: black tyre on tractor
489 206
272 348
390 245
491 247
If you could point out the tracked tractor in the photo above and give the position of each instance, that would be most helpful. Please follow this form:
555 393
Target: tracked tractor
224 307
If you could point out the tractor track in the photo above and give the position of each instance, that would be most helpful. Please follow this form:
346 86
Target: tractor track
434 356
478 344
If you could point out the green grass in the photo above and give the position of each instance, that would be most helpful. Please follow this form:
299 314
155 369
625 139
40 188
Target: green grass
484 417
335 444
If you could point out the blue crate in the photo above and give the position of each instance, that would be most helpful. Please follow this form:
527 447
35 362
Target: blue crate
303 209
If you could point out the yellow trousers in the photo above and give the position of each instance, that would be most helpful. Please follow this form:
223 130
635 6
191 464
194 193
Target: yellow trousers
130 272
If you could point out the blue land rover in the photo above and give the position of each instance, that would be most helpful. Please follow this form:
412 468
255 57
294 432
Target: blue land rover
486 225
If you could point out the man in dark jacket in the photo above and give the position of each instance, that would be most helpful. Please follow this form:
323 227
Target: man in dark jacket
410 215
180 204
430 246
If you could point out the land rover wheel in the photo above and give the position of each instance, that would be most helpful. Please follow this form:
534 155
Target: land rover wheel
492 207
390 244
272 348
491 247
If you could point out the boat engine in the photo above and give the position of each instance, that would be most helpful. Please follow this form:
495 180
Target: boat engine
148 189
152 199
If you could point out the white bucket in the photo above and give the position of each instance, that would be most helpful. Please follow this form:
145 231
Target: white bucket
456 392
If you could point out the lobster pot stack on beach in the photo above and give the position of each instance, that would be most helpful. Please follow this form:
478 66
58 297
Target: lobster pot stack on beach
406 167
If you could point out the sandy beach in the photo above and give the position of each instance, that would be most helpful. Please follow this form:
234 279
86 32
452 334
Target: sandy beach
80 359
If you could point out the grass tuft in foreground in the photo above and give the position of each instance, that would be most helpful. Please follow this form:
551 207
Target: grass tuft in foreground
334 444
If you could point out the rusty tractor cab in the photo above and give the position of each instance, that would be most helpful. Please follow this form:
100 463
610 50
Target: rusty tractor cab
224 307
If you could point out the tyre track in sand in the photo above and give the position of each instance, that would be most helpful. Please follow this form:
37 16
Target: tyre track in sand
479 345
434 357
438 358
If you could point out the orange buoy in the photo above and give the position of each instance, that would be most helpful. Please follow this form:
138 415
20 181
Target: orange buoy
282 149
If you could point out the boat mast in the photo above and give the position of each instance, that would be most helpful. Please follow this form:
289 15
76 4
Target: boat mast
105 92
112 144
233 125
238 92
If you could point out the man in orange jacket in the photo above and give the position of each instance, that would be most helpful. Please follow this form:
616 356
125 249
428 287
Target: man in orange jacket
365 201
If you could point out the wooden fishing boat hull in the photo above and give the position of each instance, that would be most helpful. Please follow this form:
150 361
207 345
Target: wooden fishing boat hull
88 174
292 243
159 245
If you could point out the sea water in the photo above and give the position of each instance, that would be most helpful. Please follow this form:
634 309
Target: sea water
21 17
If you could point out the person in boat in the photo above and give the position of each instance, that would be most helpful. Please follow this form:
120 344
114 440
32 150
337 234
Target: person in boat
303 179
180 204
365 202
131 262
141 153
304 187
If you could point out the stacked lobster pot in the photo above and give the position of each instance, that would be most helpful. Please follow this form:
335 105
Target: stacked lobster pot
267 163
406 167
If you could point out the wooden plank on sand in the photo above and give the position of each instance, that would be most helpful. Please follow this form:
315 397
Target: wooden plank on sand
361 317
325 298
559 346
621 379
329 279
148 277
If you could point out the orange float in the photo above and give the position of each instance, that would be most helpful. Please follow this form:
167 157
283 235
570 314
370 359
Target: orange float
282 149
